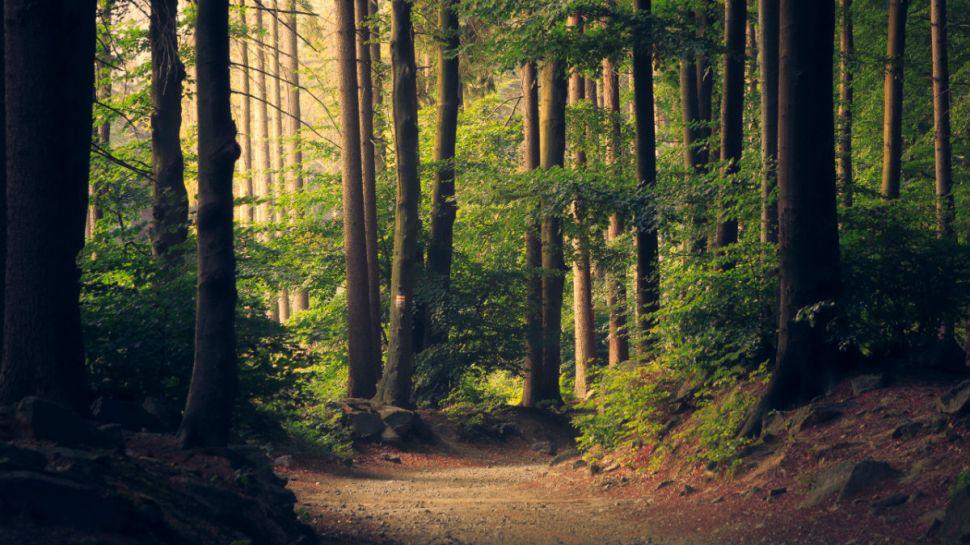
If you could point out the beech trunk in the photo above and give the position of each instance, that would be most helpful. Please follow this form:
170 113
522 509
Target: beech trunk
892 126
300 297
532 389
619 345
368 166
732 111
768 68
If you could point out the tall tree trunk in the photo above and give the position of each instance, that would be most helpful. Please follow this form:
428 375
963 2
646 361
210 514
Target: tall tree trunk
619 345
368 166
693 149
49 75
395 385
552 153
362 350
892 133
443 205
844 127
732 111
279 165
300 296
941 120
103 82
249 210
808 229
532 389
170 201
3 188
648 271
373 9
208 410
705 85
768 67
264 188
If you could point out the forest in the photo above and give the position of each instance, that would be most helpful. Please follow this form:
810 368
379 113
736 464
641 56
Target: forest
485 272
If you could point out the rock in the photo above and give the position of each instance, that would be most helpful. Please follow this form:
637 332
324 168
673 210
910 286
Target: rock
864 383
166 413
578 464
664 484
363 424
563 456
285 461
907 430
957 400
775 425
12 457
46 420
544 447
393 458
391 438
687 490
848 479
878 506
398 419
127 414
816 414
595 469
775 492
955 524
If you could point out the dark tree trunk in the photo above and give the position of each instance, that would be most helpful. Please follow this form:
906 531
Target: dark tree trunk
368 166
362 350
170 201
619 345
301 298
693 132
395 385
208 410
552 153
249 210
705 85
844 127
443 206
532 390
892 134
732 111
647 278
49 76
768 49
808 228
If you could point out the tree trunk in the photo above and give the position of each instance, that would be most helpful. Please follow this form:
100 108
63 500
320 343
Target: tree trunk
647 279
844 127
49 71
300 297
768 67
443 205
373 9
619 345
705 86
395 385
941 120
263 187
552 153
279 154
532 389
3 190
693 148
208 410
732 111
892 147
103 82
249 210
368 166
170 201
808 229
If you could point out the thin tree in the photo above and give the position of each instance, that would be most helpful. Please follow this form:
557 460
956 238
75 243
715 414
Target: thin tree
941 120
443 205
619 345
170 201
373 10
844 126
279 153
300 296
647 277
552 154
103 82
265 183
532 389
732 111
808 239
395 385
208 411
249 210
768 68
705 84
362 352
892 132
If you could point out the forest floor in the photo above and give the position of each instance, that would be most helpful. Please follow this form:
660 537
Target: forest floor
457 492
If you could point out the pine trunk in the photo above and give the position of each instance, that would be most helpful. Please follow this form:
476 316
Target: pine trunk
732 112
844 127
892 147
532 389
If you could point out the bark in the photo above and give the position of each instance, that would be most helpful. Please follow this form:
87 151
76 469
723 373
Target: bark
619 345
170 201
808 229
732 111
443 205
368 166
892 148
692 134
844 127
49 72
361 347
263 187
300 297
647 277
373 9
249 210
395 385
208 410
532 389
768 67
941 120
283 297
3 189
103 82
705 85
552 153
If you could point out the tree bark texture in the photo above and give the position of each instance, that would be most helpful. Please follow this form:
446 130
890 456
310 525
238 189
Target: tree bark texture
941 120
300 297
892 133
532 389
619 345
368 166
732 112
249 209
768 68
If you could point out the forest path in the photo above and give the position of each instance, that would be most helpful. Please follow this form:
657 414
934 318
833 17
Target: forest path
458 493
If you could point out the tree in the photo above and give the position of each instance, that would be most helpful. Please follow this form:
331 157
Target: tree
265 184
552 154
208 410
443 205
619 345
395 385
283 297
892 133
362 352
103 82
941 120
732 110
170 201
844 127
768 68
808 239
3 190
49 77
705 83
249 210
301 298
647 281
368 165
532 389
